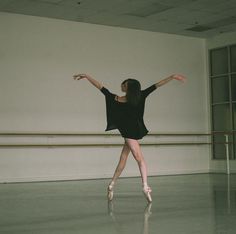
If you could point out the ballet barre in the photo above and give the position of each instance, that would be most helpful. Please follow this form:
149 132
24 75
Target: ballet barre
96 134
57 134
49 135
100 145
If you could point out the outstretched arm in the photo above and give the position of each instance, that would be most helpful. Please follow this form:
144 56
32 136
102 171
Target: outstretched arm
168 79
89 78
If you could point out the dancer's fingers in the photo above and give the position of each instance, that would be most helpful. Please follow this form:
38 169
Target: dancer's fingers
79 76
179 78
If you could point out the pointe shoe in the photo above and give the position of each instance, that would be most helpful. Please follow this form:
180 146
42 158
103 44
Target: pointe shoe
147 193
110 192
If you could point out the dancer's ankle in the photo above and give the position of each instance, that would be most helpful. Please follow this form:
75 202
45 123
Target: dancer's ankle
145 185
147 192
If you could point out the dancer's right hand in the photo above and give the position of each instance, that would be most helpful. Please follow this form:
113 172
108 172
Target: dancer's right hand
79 76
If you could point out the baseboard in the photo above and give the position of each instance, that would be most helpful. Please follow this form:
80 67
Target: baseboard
50 178
95 176
222 171
178 172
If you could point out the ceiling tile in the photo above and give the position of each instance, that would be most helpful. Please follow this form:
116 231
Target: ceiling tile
149 10
176 3
170 16
3 3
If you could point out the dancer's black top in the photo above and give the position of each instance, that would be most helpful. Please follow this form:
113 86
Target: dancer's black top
128 119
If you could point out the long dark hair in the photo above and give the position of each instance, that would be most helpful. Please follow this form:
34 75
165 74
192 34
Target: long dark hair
133 93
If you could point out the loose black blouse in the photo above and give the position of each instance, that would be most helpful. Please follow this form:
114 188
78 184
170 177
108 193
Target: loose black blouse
128 119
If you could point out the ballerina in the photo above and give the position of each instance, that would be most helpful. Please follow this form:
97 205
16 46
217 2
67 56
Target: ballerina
126 113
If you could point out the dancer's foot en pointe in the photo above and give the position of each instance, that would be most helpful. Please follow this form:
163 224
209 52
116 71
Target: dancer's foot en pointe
147 193
110 191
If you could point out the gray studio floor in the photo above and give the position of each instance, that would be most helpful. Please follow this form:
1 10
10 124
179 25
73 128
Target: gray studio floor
204 203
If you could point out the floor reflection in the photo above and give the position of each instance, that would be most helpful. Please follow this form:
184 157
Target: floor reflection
146 215
225 205
187 204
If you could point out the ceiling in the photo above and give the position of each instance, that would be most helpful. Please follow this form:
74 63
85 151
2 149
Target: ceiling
195 18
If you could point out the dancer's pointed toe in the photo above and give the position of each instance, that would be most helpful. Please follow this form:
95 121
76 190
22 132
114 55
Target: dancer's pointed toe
147 193
110 192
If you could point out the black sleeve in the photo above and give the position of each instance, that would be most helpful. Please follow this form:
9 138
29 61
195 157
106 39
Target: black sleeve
148 90
106 92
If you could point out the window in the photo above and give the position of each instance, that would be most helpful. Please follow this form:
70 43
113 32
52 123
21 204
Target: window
220 89
221 118
233 58
223 99
233 88
219 61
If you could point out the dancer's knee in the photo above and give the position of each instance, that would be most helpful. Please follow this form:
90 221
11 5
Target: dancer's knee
138 158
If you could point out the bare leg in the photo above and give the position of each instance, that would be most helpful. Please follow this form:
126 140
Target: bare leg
137 153
120 167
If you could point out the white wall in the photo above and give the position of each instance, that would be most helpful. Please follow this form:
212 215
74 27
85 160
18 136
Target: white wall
220 41
38 57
